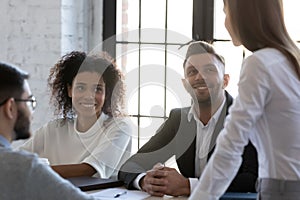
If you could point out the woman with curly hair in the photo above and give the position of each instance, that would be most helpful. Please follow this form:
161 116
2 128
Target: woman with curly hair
91 136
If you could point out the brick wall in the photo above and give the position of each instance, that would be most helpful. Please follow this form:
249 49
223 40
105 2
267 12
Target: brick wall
30 38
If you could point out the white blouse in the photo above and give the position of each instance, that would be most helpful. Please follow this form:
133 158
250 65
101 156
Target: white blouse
267 112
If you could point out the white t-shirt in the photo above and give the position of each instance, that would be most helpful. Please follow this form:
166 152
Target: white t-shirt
105 146
267 112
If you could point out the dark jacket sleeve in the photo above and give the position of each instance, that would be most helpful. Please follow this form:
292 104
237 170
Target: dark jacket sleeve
247 175
158 149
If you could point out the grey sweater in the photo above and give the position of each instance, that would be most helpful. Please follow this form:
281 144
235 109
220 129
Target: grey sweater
23 177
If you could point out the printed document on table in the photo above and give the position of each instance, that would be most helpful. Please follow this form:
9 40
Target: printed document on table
120 194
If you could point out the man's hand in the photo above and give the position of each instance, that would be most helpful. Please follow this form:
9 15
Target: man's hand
162 181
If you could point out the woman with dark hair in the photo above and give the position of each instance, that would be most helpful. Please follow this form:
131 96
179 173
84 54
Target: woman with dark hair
91 135
267 108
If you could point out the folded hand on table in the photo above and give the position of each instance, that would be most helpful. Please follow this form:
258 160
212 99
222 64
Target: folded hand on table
161 180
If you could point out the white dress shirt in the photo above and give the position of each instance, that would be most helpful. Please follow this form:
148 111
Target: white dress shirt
266 111
203 139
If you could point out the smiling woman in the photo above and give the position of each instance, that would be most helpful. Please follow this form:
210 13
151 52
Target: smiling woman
91 135
88 96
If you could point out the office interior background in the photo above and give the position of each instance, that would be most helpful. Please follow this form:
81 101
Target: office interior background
148 38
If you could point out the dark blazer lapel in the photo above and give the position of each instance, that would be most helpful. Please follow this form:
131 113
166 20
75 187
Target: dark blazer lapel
187 132
220 123
219 126
186 138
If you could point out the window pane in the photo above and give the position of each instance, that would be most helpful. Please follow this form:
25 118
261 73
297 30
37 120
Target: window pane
149 127
127 57
177 37
153 15
152 99
152 65
152 55
233 59
220 31
176 96
180 18
152 78
175 58
292 16
127 20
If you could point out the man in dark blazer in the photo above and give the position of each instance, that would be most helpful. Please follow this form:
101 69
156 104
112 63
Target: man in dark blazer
190 134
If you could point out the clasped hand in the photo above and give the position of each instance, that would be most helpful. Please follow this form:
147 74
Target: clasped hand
161 180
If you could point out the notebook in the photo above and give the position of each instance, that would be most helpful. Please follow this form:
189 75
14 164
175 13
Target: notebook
86 183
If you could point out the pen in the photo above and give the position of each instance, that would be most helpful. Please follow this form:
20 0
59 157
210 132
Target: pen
120 194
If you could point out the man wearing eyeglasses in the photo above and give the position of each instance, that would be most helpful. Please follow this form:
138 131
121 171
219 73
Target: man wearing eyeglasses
22 175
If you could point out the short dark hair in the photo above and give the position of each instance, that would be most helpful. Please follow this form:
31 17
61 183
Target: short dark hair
11 81
201 47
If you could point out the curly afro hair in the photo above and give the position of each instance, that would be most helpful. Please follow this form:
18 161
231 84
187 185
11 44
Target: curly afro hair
64 71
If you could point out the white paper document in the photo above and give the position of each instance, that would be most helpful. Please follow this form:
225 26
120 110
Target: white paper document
120 194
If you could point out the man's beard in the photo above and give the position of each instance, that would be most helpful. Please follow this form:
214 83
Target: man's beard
22 126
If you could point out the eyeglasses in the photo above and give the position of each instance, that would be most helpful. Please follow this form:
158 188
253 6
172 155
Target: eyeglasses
31 102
